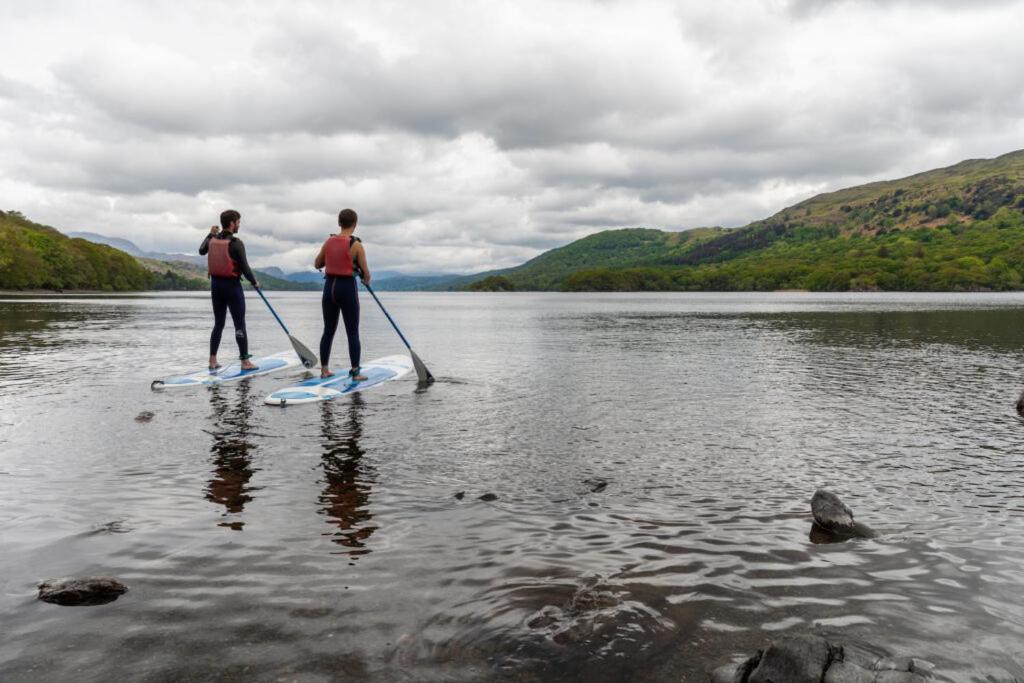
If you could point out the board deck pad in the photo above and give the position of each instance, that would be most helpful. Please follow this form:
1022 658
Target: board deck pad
314 390
231 372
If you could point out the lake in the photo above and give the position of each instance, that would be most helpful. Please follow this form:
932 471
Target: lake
652 456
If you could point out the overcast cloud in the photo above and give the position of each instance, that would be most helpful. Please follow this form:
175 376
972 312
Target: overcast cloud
472 135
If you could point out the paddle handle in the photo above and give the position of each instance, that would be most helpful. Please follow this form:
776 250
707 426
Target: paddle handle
276 317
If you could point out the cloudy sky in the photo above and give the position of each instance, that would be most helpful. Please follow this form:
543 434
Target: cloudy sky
472 135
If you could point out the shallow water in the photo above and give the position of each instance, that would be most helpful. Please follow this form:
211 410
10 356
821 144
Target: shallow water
653 458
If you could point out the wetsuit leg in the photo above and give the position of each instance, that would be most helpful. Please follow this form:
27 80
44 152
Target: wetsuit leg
220 310
348 297
330 310
236 304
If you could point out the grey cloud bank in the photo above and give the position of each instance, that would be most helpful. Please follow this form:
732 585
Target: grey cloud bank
475 135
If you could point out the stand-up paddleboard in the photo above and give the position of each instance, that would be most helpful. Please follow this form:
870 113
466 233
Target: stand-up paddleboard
231 372
376 372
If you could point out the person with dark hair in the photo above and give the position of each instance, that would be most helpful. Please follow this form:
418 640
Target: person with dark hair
343 257
226 265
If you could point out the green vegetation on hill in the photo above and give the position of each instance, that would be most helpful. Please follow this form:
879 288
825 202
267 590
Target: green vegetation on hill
34 256
957 228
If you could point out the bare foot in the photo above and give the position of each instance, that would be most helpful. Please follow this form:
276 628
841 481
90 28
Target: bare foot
247 365
213 363
325 372
356 377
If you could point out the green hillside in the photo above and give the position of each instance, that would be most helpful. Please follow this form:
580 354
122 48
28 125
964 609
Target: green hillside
956 228
34 256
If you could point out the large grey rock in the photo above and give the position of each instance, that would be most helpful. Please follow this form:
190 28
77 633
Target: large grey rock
86 590
846 672
735 673
796 659
810 657
833 521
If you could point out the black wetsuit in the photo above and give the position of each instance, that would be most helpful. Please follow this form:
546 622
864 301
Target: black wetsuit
227 295
341 295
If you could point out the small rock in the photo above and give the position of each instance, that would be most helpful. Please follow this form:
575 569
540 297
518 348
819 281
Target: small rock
1020 403
596 485
830 512
488 497
834 521
87 590
460 495
144 416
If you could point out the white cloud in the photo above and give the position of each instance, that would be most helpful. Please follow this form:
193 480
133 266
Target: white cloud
475 135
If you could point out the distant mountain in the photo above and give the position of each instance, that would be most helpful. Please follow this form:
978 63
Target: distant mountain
306 276
274 271
398 282
130 247
955 228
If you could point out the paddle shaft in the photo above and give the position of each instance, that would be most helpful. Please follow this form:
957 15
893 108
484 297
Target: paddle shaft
276 316
388 316
308 358
421 368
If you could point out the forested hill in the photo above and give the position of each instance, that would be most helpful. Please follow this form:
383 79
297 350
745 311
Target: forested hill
955 228
34 256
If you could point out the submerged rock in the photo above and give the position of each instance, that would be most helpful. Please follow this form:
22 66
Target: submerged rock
1020 403
833 521
488 497
144 416
811 658
86 590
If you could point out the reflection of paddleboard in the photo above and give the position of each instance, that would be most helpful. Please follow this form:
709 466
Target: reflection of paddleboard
376 371
231 372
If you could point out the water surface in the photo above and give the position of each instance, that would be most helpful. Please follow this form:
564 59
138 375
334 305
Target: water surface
653 458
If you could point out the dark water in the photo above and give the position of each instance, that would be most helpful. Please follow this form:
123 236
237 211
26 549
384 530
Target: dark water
653 458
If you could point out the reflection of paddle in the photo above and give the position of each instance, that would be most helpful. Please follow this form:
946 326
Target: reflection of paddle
422 373
308 357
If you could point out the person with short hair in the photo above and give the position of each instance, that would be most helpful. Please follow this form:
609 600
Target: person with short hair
343 257
226 265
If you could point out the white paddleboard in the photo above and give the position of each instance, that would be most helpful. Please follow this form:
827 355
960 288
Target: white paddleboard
231 372
311 391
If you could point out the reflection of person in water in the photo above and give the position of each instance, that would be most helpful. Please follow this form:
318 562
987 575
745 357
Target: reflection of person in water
231 451
347 479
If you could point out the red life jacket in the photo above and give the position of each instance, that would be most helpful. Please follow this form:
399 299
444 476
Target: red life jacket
219 261
338 255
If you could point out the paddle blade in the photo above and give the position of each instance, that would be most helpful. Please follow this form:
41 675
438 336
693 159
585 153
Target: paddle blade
308 358
422 374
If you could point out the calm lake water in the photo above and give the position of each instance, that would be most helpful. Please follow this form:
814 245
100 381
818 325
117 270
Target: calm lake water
653 458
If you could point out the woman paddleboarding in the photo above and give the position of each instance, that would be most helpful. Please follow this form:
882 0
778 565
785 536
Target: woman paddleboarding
342 256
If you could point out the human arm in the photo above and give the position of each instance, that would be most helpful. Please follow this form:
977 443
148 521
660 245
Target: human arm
237 252
364 268
205 246
321 258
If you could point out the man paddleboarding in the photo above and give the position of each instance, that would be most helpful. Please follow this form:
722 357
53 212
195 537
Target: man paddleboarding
226 264
342 256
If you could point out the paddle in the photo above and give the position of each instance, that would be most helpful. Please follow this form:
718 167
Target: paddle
422 373
309 359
